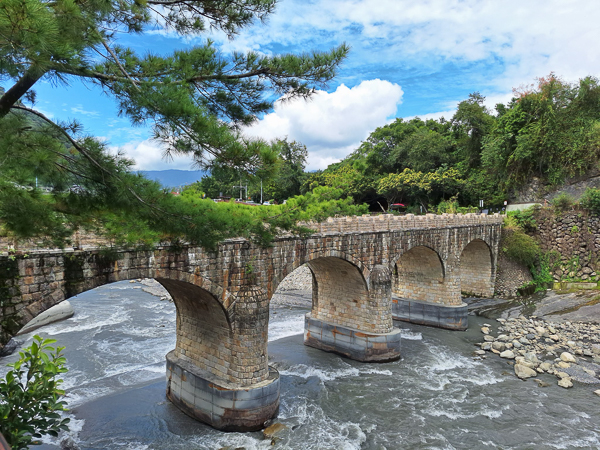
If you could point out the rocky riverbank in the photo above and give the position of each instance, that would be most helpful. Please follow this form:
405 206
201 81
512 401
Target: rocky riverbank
568 350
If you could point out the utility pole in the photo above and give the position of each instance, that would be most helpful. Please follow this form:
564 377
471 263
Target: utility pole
241 186
261 200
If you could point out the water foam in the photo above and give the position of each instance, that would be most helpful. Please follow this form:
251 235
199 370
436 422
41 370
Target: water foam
304 371
290 327
410 335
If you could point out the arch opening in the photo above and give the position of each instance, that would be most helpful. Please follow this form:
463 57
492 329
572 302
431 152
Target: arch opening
476 275
340 294
204 334
419 275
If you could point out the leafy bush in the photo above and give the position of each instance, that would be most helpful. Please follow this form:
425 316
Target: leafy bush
542 271
590 200
563 202
525 219
519 247
30 396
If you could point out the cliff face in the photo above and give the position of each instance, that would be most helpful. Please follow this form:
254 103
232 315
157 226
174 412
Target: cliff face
537 191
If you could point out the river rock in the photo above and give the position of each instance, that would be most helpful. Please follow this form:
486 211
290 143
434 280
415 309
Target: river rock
567 357
524 341
562 375
565 382
479 352
9 348
488 338
61 311
531 357
485 330
563 365
541 331
498 346
273 430
486 346
597 392
517 344
508 354
546 366
524 372
521 360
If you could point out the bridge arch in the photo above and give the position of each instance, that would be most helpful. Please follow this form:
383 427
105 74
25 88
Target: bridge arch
305 258
419 274
476 269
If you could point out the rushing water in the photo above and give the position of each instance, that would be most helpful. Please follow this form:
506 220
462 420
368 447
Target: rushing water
439 396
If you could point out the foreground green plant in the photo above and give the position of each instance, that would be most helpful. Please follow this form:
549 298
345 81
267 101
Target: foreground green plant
30 396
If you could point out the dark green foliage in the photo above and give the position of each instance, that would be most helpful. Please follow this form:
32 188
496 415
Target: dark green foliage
563 202
30 395
523 219
542 272
519 246
551 132
590 200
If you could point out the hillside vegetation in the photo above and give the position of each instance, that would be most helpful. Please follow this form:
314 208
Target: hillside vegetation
550 130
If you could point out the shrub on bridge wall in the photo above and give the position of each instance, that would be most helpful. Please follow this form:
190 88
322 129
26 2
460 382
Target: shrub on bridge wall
9 272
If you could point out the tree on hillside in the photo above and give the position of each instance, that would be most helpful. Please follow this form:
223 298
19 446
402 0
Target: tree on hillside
551 131
472 122
196 100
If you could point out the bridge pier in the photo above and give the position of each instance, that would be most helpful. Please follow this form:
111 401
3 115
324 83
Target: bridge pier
451 317
218 372
354 344
221 405
372 338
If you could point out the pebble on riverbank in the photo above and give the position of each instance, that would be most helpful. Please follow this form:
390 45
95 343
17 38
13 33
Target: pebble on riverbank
571 349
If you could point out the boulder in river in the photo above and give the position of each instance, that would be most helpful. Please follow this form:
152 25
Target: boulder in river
565 382
524 372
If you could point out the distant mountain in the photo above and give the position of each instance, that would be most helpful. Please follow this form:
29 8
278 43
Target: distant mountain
173 178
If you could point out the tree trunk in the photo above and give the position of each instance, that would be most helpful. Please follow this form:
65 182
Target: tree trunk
13 95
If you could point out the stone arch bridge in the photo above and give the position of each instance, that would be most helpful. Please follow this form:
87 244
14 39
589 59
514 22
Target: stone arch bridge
366 272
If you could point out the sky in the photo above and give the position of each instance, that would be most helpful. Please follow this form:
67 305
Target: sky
407 59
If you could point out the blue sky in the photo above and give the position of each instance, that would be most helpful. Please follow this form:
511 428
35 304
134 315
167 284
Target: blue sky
408 58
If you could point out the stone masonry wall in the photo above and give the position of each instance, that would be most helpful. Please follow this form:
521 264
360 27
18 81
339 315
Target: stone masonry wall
575 238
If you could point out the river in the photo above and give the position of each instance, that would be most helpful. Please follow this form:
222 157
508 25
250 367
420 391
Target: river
438 396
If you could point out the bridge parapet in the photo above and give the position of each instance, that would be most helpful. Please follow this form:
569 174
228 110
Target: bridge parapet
389 222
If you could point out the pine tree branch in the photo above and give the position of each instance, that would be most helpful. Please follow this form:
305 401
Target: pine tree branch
12 96
90 158
109 50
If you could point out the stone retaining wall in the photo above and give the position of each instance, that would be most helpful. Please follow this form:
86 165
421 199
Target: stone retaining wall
574 236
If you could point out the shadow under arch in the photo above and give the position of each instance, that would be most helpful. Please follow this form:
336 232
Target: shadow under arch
338 286
204 329
419 274
476 269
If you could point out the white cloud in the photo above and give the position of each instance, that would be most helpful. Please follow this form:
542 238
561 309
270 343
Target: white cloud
331 125
78 109
149 155
520 40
